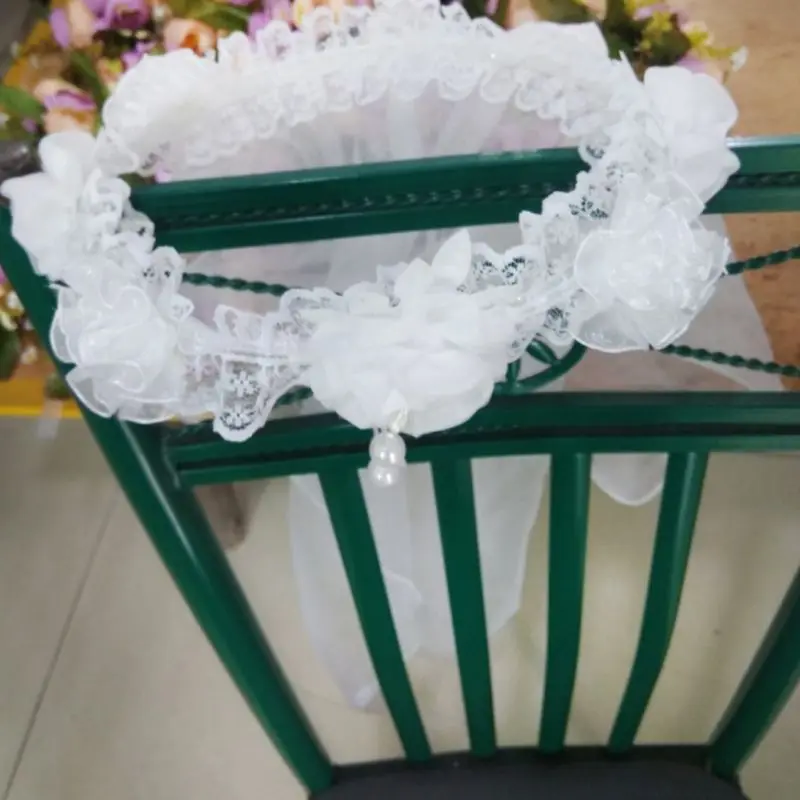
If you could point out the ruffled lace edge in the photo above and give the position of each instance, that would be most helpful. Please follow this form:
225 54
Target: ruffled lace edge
140 353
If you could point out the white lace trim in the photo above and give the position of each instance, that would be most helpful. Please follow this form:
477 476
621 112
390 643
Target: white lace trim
619 263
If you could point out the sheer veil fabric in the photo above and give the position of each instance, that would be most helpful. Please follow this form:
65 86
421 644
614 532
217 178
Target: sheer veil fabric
622 263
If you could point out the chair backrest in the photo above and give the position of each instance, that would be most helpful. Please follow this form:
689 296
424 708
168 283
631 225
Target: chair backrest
571 428
157 468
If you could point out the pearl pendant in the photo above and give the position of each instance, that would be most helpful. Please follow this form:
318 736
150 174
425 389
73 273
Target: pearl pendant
387 452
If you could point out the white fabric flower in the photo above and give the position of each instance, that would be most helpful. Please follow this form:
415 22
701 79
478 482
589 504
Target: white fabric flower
417 350
695 113
45 205
125 340
618 261
648 272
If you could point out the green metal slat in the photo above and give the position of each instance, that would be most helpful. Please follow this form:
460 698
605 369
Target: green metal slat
767 686
180 533
418 195
680 502
610 418
348 513
569 514
760 155
455 506
257 468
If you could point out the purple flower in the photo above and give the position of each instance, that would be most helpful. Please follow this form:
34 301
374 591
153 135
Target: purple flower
258 21
97 7
116 14
75 24
273 9
692 63
239 2
59 25
30 125
68 100
133 57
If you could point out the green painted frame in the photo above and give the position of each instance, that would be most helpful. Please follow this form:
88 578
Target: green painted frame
158 466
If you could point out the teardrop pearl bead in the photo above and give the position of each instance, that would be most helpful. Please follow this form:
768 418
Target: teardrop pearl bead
387 453
388 448
383 475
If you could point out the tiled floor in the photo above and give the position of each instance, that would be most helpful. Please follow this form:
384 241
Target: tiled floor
108 689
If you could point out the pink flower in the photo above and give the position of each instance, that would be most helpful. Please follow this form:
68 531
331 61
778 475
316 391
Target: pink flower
81 23
258 21
133 57
79 20
66 106
190 34
273 9
703 66
59 26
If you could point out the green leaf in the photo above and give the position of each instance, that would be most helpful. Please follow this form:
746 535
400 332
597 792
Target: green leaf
56 388
563 11
222 17
475 8
10 350
617 14
668 48
14 131
18 103
185 8
89 78
621 30
617 45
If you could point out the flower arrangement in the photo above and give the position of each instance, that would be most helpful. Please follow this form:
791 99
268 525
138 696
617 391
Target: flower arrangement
649 33
89 44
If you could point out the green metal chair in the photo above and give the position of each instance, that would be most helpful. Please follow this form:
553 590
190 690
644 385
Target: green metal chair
159 466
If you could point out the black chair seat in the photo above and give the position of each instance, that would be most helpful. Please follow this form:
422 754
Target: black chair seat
575 781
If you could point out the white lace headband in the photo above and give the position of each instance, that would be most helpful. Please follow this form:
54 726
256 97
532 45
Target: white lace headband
622 262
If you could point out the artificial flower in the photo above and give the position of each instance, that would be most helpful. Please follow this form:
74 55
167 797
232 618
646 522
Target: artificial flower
109 71
11 311
74 25
699 65
648 271
137 354
29 355
413 346
67 108
60 28
160 11
133 57
190 34
646 9
300 8
695 114
45 205
272 10
121 14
